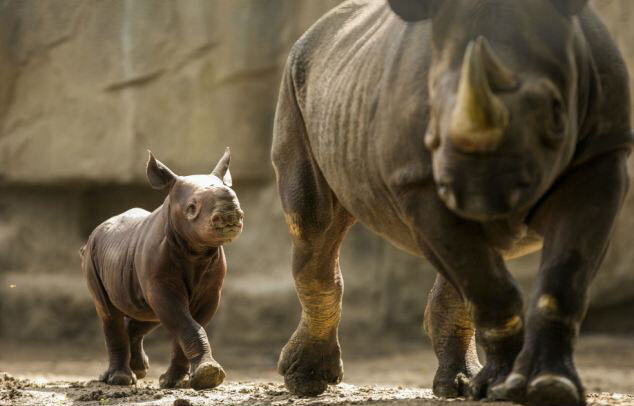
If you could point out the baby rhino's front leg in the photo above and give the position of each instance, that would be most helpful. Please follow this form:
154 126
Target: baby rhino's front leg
173 312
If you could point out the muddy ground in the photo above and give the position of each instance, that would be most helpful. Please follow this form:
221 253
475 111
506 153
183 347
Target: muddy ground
396 374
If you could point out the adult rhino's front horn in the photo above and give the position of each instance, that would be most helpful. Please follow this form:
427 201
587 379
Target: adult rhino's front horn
479 118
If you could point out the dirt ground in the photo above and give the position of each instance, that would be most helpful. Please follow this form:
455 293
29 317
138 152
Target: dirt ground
396 374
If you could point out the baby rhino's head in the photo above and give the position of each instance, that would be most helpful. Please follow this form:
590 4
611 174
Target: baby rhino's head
203 209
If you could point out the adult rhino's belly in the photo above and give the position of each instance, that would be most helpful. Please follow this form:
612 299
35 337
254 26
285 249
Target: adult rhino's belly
378 212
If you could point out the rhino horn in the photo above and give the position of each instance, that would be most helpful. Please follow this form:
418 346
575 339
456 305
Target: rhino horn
479 118
222 168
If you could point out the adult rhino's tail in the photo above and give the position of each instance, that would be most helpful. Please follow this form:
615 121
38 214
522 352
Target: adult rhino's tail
89 269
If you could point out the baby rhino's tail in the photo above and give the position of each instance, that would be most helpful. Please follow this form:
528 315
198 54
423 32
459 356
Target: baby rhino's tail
95 286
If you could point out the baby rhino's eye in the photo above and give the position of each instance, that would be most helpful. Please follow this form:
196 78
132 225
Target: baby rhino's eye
191 211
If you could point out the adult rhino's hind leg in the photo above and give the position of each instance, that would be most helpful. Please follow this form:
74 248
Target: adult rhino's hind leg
312 357
451 330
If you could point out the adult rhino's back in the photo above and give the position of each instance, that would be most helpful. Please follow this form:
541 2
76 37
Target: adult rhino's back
356 87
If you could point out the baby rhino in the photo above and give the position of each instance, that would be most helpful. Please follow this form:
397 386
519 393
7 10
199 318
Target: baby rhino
166 267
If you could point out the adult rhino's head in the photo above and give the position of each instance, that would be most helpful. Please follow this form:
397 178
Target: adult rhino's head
203 209
503 87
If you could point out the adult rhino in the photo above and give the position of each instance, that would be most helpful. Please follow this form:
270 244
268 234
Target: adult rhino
466 132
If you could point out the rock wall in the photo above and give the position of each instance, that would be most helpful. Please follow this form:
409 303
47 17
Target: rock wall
87 86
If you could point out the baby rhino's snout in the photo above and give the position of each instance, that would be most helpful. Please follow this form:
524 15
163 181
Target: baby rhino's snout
227 218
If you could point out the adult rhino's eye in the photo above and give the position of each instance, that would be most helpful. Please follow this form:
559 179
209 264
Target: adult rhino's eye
557 122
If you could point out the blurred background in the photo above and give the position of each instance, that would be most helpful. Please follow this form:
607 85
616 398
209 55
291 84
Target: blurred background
86 87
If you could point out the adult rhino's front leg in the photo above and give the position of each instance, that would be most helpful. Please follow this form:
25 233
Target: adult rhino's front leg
576 222
452 333
312 357
460 251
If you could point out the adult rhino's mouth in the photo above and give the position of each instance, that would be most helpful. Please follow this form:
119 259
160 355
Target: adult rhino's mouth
484 188
486 205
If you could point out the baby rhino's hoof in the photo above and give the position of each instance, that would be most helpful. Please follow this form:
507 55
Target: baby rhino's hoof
118 377
207 375
173 378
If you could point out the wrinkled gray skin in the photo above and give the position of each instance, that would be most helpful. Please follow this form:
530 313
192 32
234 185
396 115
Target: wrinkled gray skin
166 267
371 127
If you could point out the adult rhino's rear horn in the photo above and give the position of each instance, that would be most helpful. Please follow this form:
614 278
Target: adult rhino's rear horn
479 118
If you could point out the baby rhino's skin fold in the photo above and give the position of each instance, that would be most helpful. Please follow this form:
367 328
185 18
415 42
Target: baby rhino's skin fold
166 267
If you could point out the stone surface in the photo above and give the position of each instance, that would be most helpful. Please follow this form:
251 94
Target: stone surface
90 83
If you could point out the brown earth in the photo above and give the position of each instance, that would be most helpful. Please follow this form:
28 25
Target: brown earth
396 374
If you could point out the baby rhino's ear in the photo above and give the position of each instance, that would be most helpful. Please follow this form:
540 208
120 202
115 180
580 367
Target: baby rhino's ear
222 168
158 174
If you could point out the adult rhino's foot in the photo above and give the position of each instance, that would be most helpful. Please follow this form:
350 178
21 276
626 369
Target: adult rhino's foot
139 363
502 344
491 375
543 375
453 381
208 374
118 376
309 365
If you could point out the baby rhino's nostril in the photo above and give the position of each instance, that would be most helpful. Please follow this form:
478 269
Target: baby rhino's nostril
216 219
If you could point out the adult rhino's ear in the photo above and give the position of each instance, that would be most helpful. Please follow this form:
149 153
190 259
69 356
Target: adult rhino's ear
569 8
415 10
158 174
222 168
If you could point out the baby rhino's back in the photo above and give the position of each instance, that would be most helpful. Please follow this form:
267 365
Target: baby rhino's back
115 238
108 259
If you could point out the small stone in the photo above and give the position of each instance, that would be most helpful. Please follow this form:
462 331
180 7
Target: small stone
182 402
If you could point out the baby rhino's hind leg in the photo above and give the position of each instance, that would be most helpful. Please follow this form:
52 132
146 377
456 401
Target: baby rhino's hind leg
118 345
176 374
139 362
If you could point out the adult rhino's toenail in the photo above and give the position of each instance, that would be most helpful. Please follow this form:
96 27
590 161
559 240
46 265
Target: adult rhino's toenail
556 389
515 379
498 392
512 326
